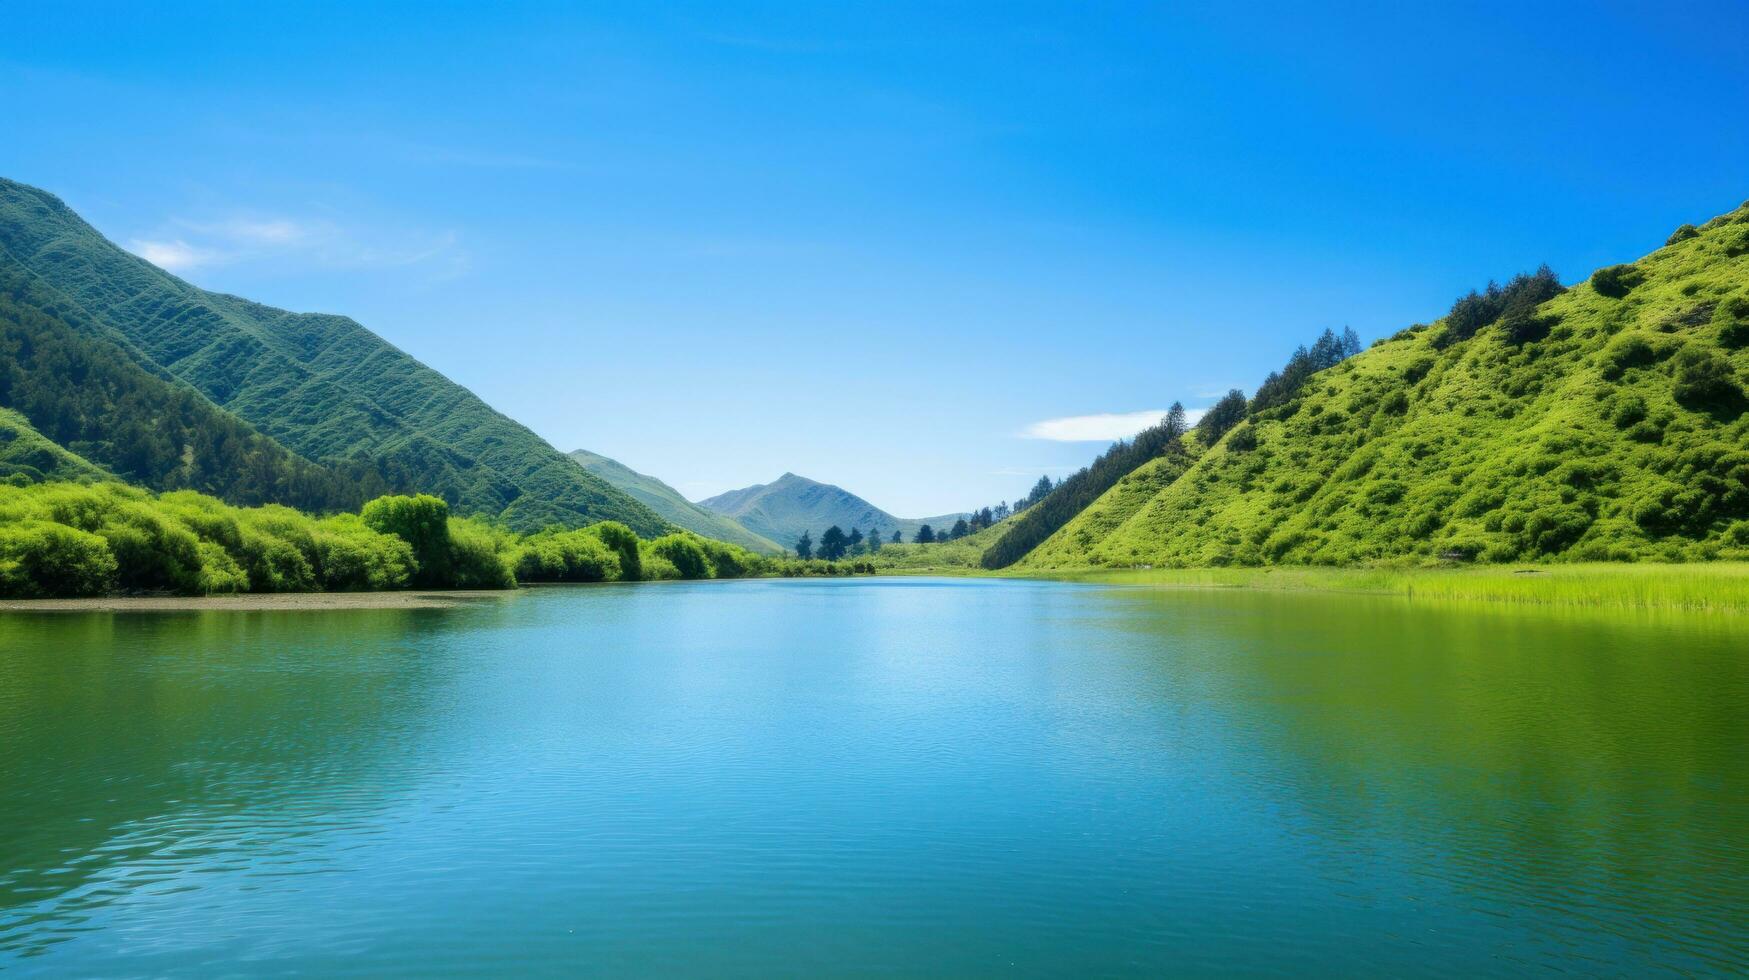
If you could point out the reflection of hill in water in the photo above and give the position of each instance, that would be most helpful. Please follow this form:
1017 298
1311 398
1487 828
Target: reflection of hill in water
1586 764
141 748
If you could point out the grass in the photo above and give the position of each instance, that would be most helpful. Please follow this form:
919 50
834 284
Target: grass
1709 587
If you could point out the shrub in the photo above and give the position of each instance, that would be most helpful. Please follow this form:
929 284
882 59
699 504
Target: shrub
567 556
620 540
1628 410
1243 439
1682 234
1705 379
1731 317
1615 281
682 551
1630 350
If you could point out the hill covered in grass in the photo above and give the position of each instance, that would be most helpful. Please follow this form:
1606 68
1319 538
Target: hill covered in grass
667 502
1602 422
782 509
321 386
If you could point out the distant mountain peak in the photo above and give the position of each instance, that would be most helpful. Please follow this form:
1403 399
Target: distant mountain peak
791 504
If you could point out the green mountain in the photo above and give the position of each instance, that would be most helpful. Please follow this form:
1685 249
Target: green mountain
95 397
1608 422
26 453
666 501
322 386
783 509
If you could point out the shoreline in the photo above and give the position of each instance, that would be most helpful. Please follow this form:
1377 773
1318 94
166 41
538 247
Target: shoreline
1711 587
258 602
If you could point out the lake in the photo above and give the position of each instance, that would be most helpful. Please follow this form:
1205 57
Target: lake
948 777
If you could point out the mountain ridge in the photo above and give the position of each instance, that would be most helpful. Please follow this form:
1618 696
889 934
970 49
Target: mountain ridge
782 509
321 385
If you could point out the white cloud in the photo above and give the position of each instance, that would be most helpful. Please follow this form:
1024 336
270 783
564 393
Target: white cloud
182 244
172 256
1105 427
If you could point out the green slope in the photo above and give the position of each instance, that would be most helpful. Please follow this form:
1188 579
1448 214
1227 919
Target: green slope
94 397
667 502
783 509
28 454
321 385
1613 427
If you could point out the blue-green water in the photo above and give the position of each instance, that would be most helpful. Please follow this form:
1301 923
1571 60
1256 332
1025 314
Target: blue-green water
876 776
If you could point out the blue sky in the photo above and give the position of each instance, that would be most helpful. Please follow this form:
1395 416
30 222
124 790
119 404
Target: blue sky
885 245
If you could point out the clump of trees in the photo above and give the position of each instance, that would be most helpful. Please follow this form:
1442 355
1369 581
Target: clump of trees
1222 416
1615 281
1517 300
1327 351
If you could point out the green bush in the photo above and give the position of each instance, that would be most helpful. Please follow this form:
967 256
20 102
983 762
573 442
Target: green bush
1629 350
39 558
1615 281
682 551
1705 379
477 558
622 542
566 556
1731 317
1682 234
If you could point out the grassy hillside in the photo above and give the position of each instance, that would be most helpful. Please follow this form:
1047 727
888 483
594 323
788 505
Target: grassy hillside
1607 423
322 386
667 502
26 456
783 509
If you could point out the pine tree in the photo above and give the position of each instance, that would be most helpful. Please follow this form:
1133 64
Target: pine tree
833 543
804 546
925 535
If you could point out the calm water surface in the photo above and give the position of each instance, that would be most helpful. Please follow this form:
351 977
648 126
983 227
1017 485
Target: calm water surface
876 776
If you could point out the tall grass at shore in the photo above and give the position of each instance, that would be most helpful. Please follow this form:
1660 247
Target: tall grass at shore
1715 587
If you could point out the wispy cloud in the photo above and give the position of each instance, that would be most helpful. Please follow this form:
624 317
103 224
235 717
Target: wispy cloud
184 244
172 256
1104 427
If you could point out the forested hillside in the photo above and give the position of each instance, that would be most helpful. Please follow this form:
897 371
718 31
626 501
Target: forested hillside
322 386
667 502
88 394
1602 422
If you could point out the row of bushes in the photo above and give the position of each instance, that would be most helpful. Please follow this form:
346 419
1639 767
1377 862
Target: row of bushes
72 539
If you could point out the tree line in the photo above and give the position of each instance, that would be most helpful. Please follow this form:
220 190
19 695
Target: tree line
75 539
